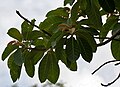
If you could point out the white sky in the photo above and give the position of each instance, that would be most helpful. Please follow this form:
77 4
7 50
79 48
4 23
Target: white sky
37 9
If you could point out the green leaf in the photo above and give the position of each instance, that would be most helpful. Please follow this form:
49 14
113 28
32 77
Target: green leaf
8 50
72 49
15 70
74 12
115 48
86 50
27 29
58 12
14 33
109 25
55 38
49 21
48 68
18 57
107 5
93 14
88 37
82 4
29 64
117 4
72 65
116 28
68 2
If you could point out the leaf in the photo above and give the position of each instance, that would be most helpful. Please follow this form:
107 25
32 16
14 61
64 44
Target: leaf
72 49
93 14
117 4
74 12
109 25
49 21
15 70
18 57
8 50
14 33
72 65
58 12
48 68
26 29
68 2
86 50
29 64
115 29
82 4
55 38
115 48
88 37
107 5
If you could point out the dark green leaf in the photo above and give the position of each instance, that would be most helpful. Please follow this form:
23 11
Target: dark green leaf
29 64
48 68
72 65
15 70
8 50
55 38
88 37
82 4
49 21
116 28
18 57
107 5
72 49
68 2
93 14
26 29
117 4
58 12
86 50
13 32
115 48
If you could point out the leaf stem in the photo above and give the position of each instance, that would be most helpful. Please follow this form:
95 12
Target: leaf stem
32 23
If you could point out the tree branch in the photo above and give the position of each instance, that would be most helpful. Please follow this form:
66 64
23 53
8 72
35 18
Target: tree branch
111 38
111 82
106 38
32 23
104 65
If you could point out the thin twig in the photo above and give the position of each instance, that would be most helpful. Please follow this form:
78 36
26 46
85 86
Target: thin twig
111 82
104 65
111 38
106 38
32 23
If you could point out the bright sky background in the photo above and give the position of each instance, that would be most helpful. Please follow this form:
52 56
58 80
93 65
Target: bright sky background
37 9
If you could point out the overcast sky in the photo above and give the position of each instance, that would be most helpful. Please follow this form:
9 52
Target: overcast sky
37 9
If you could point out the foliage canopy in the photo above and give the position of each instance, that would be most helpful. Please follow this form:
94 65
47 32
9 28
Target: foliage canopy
67 34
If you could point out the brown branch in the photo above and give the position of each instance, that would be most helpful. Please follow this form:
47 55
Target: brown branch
32 23
104 65
111 38
111 82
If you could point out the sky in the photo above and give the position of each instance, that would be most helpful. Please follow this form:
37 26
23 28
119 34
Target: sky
37 9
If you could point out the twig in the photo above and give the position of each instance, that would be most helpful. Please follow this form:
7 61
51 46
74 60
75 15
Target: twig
111 82
106 38
32 23
111 38
104 65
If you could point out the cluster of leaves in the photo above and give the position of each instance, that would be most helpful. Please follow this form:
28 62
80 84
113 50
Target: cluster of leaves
70 34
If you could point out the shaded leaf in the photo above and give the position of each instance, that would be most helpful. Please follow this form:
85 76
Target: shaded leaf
8 50
86 50
15 70
107 5
18 57
72 65
48 68
72 49
13 32
115 48
93 14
